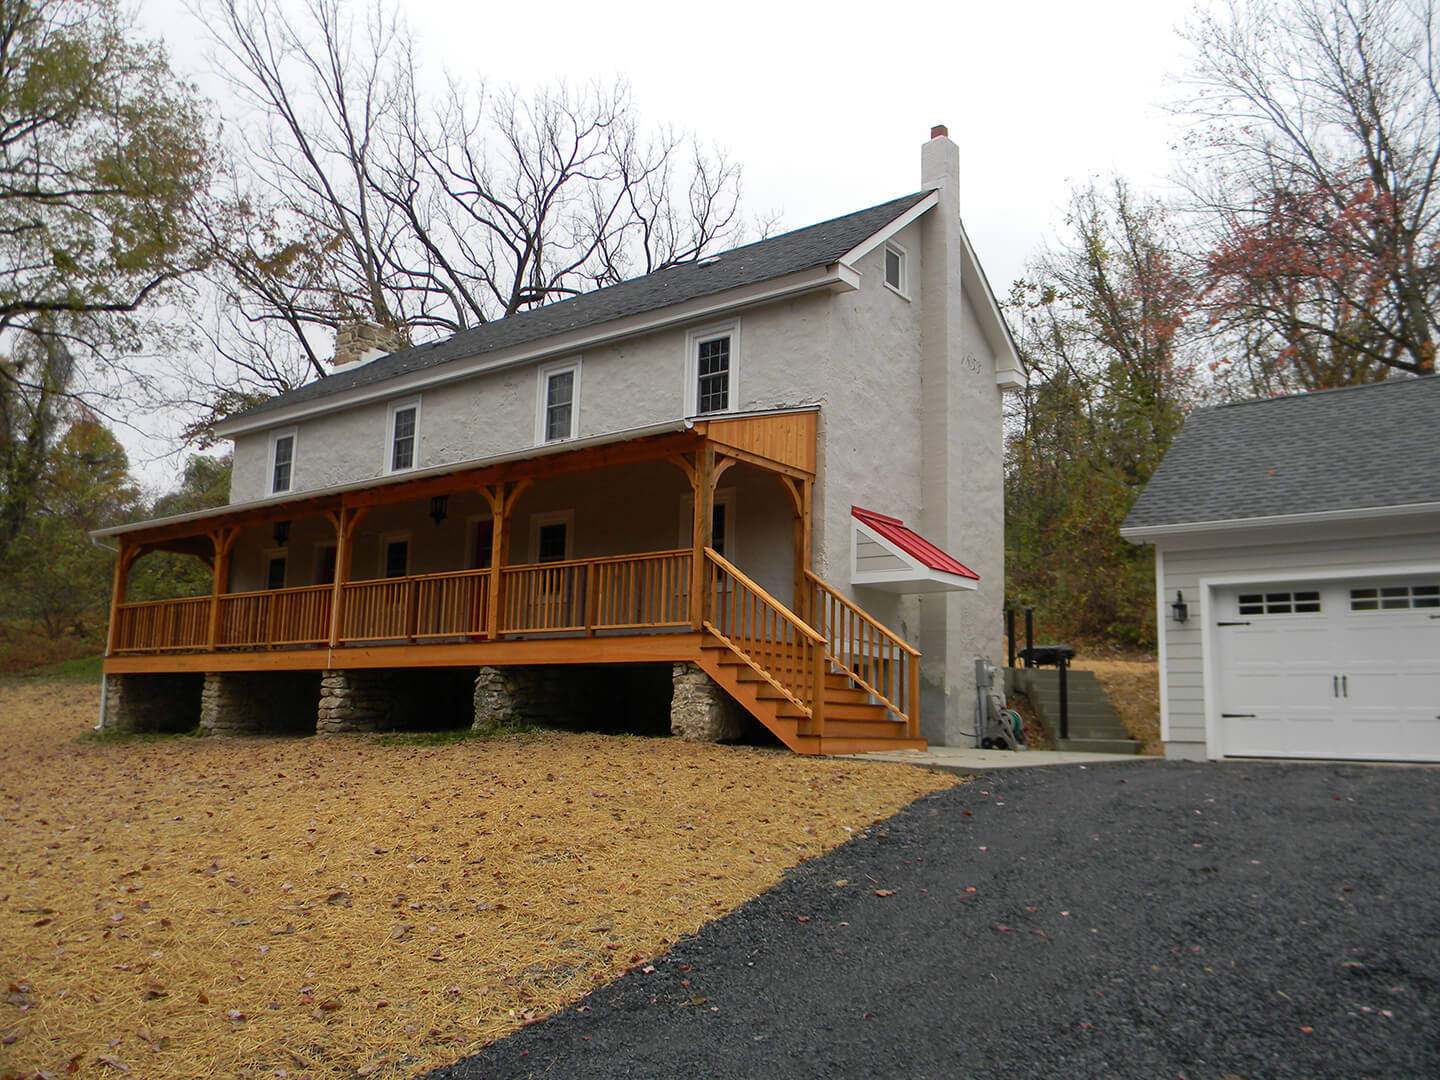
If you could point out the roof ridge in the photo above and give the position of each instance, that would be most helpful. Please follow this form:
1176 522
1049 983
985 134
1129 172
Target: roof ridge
1399 380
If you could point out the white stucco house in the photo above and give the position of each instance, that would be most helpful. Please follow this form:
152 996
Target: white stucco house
1297 571
756 474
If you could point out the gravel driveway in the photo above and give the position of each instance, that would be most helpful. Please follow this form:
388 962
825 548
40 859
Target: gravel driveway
1154 920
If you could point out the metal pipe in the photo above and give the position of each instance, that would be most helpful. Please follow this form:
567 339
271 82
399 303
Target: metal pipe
1010 637
1029 635
1064 700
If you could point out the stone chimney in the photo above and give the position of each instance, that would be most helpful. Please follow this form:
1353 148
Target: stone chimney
361 342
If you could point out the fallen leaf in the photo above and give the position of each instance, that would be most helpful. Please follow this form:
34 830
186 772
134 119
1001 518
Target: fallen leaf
884 892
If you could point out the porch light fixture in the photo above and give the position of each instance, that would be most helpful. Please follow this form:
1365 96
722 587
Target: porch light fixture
1179 609
282 533
439 508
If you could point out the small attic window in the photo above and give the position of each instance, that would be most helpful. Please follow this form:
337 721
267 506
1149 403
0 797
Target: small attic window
896 270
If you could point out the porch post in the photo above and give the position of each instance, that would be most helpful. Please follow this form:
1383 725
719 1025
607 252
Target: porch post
224 540
501 503
704 520
800 492
345 520
124 558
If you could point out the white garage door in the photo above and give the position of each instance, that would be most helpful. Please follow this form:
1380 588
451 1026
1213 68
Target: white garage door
1330 670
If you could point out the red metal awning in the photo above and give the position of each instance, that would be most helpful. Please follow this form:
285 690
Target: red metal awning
886 554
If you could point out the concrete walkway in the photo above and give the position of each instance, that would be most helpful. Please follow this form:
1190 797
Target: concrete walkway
970 759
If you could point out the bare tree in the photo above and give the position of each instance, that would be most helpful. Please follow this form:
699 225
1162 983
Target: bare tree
361 195
1316 158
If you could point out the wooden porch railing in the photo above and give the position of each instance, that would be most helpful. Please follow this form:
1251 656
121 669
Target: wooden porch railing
877 659
156 625
274 617
768 636
628 592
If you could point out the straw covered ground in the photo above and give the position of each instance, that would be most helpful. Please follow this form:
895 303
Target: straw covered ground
334 907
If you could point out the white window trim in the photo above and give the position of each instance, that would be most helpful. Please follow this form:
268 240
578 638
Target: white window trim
723 497
903 289
395 407
472 528
386 539
542 399
269 555
692 365
275 437
552 517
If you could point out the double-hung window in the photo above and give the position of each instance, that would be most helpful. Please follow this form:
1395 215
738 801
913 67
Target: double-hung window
557 414
404 436
712 369
282 462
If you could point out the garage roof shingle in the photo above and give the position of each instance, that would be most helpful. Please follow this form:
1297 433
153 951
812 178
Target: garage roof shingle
1356 448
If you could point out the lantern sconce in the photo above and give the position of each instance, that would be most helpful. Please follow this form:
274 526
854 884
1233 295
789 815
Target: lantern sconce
439 509
1179 609
282 533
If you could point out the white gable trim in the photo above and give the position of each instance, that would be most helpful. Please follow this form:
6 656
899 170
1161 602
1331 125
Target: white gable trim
836 277
875 239
1009 371
915 578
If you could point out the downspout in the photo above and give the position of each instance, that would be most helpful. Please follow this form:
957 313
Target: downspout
100 726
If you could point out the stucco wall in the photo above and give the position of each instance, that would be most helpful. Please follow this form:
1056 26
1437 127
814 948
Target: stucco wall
782 361
1288 555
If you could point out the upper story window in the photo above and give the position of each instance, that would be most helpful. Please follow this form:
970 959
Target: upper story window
712 369
558 410
897 269
404 434
282 462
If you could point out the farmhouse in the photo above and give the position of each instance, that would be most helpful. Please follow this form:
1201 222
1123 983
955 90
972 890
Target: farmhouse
766 484
1297 570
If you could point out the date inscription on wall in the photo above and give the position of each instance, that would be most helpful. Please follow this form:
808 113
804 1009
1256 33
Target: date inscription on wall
971 363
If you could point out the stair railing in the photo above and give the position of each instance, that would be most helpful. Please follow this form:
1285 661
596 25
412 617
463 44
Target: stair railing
874 657
775 642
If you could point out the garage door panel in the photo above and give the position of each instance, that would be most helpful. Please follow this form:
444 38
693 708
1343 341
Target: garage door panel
1338 670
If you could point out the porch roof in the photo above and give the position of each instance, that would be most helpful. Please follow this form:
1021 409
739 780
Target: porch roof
774 444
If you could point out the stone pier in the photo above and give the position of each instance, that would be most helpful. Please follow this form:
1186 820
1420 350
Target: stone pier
258 703
355 700
700 710
152 703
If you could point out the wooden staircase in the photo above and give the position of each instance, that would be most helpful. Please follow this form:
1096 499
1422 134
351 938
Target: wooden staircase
818 693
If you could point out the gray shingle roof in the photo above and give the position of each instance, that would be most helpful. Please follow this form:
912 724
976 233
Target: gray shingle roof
1356 448
816 245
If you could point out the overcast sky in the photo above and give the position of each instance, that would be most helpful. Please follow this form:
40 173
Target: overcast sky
825 106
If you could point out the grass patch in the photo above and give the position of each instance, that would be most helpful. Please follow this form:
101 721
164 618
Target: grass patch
453 736
80 669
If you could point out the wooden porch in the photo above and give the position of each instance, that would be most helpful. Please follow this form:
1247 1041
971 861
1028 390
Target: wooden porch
819 672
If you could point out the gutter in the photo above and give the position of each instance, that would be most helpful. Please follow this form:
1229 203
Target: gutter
1140 534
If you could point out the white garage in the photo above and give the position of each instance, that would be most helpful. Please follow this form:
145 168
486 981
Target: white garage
1298 576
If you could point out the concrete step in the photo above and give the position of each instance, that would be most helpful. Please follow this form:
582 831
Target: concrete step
1099 746
1093 725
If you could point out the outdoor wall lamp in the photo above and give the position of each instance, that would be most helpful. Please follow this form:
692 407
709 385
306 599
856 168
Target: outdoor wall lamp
282 533
439 508
1179 608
